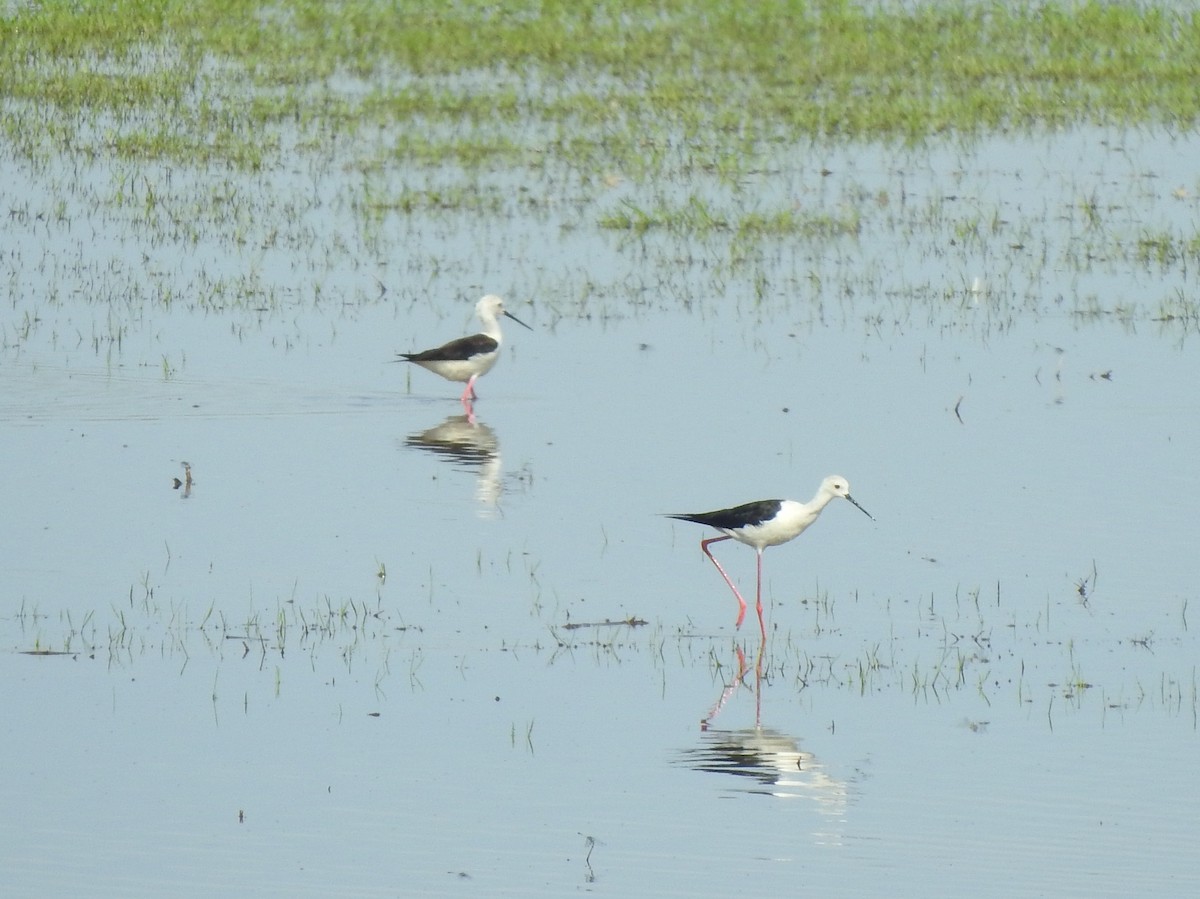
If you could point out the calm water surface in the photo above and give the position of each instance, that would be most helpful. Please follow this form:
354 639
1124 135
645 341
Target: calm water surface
347 661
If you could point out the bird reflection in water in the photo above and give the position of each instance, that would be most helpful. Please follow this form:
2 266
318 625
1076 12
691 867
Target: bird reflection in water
768 761
467 445
771 764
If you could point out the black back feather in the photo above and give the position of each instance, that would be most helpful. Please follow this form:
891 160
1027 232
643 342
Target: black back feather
742 516
456 350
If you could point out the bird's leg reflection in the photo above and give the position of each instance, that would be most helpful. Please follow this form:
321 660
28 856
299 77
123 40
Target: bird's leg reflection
758 663
728 691
739 678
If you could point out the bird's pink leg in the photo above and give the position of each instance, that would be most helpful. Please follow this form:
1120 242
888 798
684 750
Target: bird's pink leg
469 392
704 544
761 624
466 398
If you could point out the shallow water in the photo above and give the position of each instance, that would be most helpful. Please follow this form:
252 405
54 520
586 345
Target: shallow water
346 661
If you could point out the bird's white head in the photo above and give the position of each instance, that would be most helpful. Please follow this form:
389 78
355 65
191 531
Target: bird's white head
491 306
836 485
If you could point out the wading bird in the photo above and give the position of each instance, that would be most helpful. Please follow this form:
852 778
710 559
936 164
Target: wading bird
468 358
768 522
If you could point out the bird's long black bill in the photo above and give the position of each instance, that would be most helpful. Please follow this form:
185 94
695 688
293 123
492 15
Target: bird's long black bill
508 314
860 508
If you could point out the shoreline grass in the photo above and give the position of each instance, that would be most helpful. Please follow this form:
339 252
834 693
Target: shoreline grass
721 76
685 125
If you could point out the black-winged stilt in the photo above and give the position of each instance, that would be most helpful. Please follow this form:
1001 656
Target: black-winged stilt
468 358
768 522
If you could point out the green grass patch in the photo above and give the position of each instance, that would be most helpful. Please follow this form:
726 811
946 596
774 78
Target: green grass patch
487 109
710 72
700 217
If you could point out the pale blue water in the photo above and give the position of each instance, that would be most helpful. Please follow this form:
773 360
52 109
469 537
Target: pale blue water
937 705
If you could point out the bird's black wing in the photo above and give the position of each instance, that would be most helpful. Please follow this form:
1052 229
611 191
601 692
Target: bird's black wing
746 515
456 350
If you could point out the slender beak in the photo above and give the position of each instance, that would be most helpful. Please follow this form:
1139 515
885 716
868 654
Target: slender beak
860 508
508 314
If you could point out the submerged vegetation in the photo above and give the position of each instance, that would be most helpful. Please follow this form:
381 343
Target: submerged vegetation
963 650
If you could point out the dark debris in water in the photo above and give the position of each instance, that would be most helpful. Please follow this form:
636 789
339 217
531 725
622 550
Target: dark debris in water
631 621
